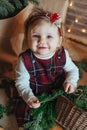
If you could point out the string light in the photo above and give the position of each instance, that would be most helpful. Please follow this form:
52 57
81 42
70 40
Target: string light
76 20
83 30
69 30
71 4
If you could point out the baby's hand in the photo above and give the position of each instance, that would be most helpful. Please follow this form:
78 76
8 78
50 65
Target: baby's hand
33 102
69 88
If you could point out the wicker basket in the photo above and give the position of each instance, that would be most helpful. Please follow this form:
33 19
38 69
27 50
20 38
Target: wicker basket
69 116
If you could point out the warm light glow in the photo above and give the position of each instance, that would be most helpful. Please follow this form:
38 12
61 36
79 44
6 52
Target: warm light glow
70 4
83 30
76 20
1 128
69 30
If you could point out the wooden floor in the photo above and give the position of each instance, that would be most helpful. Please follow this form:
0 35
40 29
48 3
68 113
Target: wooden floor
57 127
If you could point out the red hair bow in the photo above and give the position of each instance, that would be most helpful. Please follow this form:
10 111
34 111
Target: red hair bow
53 17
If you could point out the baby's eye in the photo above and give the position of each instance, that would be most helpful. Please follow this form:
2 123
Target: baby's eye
49 36
35 36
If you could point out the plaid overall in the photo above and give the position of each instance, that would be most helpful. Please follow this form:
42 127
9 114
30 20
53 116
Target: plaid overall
45 75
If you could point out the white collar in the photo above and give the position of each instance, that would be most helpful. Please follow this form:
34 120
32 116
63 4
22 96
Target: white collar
44 58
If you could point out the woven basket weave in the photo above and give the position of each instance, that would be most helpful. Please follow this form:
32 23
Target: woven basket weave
69 116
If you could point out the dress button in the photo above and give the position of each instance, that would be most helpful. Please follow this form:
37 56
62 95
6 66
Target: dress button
33 61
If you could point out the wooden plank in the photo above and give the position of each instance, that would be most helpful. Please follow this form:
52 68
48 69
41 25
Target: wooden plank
78 10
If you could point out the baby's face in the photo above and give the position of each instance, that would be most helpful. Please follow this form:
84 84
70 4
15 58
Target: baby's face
44 39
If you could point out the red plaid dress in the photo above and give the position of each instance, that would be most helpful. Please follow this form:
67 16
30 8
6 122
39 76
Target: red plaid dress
45 75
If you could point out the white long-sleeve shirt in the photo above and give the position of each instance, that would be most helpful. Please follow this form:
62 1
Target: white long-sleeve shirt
23 77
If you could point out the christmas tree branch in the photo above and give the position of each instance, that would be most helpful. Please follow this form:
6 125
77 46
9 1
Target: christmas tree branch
9 8
47 110
46 98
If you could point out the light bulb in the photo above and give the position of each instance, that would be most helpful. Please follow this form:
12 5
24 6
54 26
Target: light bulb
83 30
76 20
70 4
69 30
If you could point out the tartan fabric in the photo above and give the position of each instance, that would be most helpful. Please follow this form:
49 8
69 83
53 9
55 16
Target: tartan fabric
21 111
45 75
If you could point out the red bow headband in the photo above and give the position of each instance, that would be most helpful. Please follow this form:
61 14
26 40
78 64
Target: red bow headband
56 19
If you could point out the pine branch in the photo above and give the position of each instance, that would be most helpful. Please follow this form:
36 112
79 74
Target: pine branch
81 100
25 2
46 98
47 111
17 4
5 8
34 125
6 109
9 8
